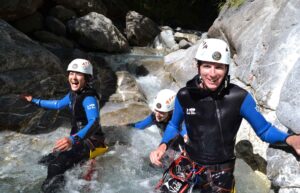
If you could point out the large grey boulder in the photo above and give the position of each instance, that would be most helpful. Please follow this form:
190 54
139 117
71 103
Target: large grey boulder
18 52
288 110
25 67
283 168
264 37
181 64
97 32
140 30
166 40
260 43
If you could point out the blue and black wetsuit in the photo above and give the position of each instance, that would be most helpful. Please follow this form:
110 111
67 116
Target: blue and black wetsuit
150 120
212 121
86 134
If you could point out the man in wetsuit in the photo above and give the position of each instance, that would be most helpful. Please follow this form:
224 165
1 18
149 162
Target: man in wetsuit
86 134
161 115
213 109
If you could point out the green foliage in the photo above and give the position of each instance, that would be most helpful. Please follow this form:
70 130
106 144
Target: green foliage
231 3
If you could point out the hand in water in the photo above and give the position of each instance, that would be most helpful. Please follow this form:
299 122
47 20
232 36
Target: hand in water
62 144
156 155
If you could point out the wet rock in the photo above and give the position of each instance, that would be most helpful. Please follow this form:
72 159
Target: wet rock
127 90
114 114
126 105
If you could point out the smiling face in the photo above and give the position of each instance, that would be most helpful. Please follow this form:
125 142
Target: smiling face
161 116
212 75
76 80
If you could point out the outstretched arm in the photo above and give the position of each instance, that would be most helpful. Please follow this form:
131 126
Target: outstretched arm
265 130
49 104
144 123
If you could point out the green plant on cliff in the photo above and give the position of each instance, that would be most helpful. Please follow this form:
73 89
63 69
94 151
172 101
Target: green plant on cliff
230 3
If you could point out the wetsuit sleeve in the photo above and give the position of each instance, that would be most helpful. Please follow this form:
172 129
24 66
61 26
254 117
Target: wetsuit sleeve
92 113
173 125
183 131
262 128
144 123
52 104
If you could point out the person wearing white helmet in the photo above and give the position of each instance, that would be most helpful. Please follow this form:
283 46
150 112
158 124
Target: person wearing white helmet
161 115
86 138
213 109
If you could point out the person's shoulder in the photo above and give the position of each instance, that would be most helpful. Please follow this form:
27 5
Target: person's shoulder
183 91
235 89
233 86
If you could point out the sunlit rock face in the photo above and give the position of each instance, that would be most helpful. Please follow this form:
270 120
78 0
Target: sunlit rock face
283 168
288 109
264 46
264 37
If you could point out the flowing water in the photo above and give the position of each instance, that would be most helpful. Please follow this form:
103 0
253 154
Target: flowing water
125 168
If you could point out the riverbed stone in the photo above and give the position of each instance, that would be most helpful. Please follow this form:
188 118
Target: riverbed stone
97 32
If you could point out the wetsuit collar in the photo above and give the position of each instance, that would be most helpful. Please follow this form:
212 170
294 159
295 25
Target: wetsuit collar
194 86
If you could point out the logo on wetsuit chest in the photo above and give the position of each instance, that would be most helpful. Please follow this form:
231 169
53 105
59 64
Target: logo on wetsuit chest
91 106
191 111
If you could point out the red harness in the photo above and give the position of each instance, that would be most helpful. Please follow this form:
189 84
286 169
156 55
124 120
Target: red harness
180 175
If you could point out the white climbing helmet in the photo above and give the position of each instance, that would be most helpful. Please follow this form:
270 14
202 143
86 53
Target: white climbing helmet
164 100
81 65
213 50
